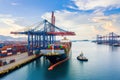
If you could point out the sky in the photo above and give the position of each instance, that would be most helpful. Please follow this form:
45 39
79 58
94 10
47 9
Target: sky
86 18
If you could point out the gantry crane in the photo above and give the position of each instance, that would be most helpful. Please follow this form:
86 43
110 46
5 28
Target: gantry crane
42 34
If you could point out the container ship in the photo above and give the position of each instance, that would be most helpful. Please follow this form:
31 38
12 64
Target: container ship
58 52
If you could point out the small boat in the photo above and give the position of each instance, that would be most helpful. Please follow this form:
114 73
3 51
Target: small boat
82 58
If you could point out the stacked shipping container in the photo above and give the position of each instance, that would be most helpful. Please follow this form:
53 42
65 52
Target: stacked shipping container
12 49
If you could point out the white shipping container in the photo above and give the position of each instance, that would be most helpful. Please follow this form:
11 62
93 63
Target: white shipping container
9 53
9 48
4 51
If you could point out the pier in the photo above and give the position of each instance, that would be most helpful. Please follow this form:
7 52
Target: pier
5 69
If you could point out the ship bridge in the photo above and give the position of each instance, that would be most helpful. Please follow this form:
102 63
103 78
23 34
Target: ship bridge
42 34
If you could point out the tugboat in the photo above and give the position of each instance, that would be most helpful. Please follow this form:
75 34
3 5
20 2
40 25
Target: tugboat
82 58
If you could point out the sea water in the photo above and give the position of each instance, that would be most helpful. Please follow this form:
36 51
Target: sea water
103 64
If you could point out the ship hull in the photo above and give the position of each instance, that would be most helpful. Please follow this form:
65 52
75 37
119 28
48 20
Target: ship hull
56 58
57 53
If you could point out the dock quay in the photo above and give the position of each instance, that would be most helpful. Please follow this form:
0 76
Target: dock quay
5 69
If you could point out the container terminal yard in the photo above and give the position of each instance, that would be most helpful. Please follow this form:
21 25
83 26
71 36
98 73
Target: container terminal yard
41 39
112 39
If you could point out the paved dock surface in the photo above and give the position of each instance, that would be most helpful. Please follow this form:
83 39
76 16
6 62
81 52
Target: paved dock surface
17 57
20 59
